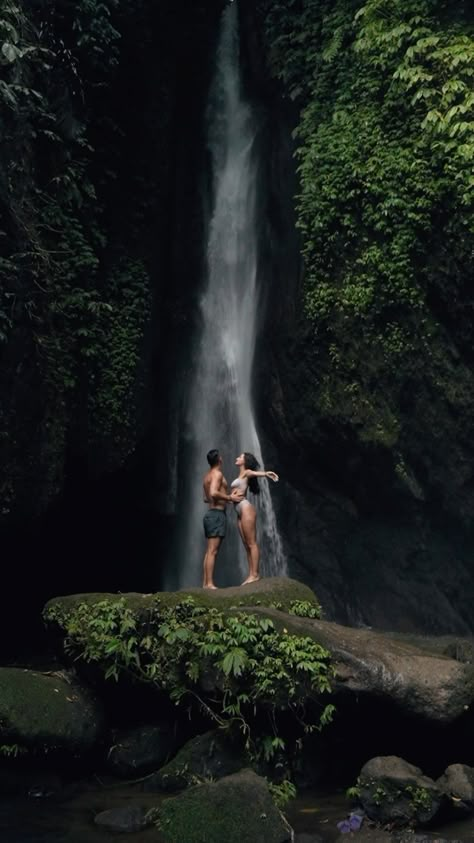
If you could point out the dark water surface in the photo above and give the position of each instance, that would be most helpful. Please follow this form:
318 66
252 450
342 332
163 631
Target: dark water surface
47 820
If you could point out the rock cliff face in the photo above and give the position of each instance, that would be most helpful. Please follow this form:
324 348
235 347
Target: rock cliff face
379 524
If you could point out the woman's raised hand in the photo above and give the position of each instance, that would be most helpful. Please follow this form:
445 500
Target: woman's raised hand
272 476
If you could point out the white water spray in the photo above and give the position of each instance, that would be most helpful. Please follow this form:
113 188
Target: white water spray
220 413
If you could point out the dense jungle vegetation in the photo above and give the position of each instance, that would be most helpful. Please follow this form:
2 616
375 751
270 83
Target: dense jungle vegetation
385 154
89 118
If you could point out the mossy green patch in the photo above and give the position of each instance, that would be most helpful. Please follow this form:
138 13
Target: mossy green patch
237 809
277 592
46 712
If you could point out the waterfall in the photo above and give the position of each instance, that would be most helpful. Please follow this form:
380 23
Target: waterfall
219 412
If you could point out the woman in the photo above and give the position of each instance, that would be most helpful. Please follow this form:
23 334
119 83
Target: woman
246 514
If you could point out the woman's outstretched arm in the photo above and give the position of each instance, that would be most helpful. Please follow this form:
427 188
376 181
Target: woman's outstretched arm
270 474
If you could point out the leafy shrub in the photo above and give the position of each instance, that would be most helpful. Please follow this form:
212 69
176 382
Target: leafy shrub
254 670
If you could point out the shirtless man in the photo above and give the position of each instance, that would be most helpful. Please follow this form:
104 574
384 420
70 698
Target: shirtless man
217 496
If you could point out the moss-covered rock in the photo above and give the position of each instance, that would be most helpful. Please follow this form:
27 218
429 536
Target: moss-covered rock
419 678
394 791
237 809
46 712
277 592
207 756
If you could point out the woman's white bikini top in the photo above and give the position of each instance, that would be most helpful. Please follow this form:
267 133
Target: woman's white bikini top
241 483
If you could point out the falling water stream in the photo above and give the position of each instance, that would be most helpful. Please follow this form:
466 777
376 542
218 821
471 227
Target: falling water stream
220 412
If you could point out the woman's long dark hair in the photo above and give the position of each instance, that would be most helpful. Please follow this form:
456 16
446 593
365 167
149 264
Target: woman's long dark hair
251 462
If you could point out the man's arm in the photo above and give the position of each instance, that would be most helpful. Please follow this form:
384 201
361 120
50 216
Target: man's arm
215 493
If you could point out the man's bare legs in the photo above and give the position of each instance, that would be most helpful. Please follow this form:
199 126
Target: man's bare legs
247 528
213 545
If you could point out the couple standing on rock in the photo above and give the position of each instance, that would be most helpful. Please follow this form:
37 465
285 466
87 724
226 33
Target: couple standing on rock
215 520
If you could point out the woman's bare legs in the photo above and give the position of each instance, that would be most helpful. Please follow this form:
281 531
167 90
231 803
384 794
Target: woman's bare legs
246 547
248 532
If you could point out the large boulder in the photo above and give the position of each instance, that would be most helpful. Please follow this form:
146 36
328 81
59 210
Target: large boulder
394 791
418 676
47 711
421 682
207 756
236 809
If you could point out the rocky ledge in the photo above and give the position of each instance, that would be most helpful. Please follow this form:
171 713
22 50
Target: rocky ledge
422 677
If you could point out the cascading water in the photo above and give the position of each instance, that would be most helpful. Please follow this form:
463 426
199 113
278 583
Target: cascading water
220 413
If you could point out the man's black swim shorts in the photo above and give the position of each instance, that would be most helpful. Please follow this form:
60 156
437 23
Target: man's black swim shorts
215 522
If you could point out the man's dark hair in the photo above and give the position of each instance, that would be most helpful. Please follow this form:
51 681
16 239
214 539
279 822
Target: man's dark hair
213 457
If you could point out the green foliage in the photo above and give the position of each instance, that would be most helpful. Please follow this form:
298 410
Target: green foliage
12 750
96 36
75 298
385 150
434 66
420 798
282 793
255 671
353 793
304 609
380 795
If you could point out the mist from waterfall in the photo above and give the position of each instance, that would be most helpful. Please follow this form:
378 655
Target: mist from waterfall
219 410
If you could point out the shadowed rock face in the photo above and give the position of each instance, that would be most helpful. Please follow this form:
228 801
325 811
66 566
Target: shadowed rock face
141 750
205 757
382 564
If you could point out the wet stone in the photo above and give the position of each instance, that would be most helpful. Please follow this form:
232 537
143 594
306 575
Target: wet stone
129 818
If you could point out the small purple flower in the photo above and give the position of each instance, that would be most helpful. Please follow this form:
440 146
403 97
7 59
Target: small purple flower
352 823
344 826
